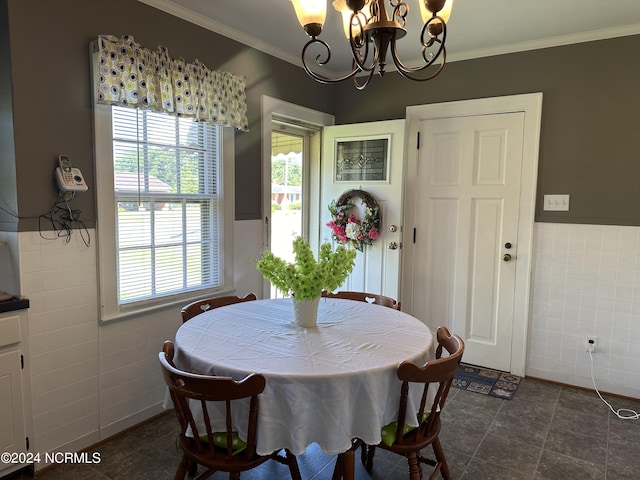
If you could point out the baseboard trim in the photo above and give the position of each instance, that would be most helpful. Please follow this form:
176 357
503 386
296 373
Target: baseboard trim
584 389
104 439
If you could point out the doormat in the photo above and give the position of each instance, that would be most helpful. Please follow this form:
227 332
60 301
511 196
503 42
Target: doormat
486 381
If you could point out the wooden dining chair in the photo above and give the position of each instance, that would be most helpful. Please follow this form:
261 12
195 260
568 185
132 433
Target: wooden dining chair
408 441
199 306
216 451
374 298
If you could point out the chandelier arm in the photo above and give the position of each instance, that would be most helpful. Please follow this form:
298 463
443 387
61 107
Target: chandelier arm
316 76
406 73
357 42
401 67
441 27
400 12
363 85
428 61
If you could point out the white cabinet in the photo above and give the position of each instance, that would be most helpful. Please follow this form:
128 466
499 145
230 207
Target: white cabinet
14 391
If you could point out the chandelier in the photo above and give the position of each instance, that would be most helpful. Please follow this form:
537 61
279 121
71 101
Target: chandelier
372 32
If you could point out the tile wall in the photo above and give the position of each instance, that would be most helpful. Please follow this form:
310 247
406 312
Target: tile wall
88 380
586 281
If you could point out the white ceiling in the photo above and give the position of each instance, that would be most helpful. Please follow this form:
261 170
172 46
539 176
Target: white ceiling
477 28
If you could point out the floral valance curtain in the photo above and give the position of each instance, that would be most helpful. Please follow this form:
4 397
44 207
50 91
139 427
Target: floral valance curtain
133 76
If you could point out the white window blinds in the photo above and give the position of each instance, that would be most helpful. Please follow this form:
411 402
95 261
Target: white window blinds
167 201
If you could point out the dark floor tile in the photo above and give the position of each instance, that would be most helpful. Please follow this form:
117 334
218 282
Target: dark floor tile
582 402
555 466
480 469
624 456
151 462
592 448
461 437
624 430
520 428
534 399
313 460
477 400
630 404
457 462
70 471
483 438
509 453
464 425
567 420
538 410
469 413
622 472
537 390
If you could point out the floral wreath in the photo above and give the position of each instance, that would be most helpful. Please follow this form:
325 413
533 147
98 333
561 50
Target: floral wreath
347 228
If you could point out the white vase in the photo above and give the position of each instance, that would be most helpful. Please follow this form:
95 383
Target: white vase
305 312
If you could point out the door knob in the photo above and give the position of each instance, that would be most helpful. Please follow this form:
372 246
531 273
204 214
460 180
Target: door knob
393 245
507 257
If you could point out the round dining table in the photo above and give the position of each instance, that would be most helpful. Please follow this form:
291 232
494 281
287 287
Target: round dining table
326 384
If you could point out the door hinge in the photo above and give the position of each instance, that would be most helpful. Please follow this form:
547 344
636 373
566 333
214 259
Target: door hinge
418 141
22 362
414 234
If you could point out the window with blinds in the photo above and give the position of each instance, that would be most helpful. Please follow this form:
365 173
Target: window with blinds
168 204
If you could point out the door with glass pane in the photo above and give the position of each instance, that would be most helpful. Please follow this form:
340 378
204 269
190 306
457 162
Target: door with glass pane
289 153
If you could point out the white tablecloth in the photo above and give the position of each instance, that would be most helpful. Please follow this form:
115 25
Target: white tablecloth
326 384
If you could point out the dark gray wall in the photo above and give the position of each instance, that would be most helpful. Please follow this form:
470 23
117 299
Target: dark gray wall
52 97
8 188
590 137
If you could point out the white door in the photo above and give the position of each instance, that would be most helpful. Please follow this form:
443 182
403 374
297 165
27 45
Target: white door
473 219
368 157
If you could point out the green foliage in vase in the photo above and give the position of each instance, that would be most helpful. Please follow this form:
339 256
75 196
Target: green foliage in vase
307 277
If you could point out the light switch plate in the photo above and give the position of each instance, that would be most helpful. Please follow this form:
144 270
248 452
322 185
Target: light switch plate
558 203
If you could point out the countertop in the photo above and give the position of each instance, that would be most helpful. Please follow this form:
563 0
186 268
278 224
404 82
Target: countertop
14 304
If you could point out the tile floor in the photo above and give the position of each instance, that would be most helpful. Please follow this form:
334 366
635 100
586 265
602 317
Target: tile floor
546 432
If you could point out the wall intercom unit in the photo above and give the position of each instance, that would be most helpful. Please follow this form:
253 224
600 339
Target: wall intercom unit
69 179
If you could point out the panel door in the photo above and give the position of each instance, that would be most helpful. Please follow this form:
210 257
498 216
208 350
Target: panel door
466 247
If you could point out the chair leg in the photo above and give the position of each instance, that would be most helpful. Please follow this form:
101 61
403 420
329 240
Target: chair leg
371 451
414 466
292 462
439 453
338 470
183 466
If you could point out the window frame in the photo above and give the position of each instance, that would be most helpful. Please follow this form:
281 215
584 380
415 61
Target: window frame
110 309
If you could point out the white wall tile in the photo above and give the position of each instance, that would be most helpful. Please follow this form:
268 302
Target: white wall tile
587 282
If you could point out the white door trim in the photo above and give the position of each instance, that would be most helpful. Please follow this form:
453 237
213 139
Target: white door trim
269 107
531 105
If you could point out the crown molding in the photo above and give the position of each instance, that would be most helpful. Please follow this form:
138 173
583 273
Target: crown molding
222 29
549 42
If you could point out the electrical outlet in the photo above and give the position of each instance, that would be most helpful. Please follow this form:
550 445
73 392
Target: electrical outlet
559 203
590 344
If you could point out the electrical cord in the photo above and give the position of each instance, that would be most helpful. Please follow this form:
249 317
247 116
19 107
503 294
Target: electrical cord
63 225
631 414
63 219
